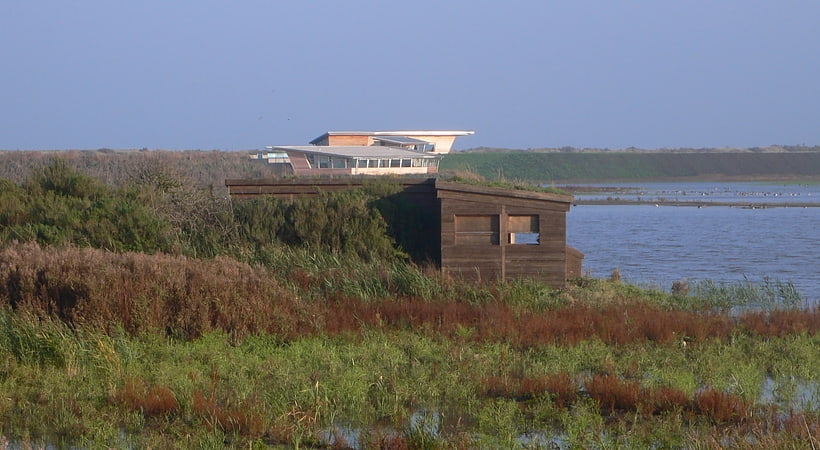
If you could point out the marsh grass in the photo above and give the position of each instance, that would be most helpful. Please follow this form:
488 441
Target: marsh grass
288 394
176 351
767 294
318 323
90 289
150 401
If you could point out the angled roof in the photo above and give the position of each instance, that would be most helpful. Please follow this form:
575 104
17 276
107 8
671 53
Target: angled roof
359 151
443 185
399 140
407 133
436 184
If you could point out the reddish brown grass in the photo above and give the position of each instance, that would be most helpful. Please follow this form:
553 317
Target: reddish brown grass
101 290
186 298
614 394
560 386
497 387
240 419
782 322
664 399
151 401
563 388
720 407
800 424
392 441
497 322
617 395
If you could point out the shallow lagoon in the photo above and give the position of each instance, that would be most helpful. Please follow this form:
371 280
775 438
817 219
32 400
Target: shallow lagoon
656 245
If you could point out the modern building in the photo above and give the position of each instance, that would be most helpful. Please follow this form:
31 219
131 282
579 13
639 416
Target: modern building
439 142
369 152
474 232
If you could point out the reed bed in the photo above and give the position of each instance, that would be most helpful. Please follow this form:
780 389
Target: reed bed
186 298
134 350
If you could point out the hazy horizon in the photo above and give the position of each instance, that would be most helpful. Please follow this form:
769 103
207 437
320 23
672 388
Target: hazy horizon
522 74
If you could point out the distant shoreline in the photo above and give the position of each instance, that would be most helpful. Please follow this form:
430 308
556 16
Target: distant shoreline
696 204
620 167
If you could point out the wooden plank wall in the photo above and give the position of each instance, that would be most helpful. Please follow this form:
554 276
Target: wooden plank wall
575 262
487 261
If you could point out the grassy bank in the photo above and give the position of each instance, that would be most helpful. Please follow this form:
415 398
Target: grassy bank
547 167
209 169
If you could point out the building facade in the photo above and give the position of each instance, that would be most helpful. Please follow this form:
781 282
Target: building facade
369 153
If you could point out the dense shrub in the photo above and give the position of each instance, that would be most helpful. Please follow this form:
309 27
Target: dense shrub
342 220
57 206
159 211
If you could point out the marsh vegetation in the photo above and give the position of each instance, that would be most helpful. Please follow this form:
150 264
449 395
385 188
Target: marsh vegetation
224 326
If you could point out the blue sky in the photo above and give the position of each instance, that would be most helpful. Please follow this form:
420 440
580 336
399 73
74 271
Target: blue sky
522 74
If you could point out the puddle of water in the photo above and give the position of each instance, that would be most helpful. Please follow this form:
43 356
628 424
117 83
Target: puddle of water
791 394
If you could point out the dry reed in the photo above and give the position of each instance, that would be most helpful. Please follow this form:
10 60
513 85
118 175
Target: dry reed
186 298
151 401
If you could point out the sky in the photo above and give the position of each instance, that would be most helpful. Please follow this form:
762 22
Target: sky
213 74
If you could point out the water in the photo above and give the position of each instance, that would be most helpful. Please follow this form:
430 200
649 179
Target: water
739 192
656 245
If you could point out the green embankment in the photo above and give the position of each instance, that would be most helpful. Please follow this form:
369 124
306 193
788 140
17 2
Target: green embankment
545 167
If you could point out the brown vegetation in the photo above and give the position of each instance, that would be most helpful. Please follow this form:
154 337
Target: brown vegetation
497 322
187 297
229 419
561 388
720 407
154 400
782 322
138 292
615 395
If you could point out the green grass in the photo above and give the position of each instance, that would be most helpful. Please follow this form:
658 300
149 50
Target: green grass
767 294
66 386
547 167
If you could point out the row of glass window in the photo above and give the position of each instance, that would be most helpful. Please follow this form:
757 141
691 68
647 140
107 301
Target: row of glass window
328 162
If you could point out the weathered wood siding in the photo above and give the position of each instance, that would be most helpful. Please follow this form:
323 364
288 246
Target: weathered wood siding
467 251
575 261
